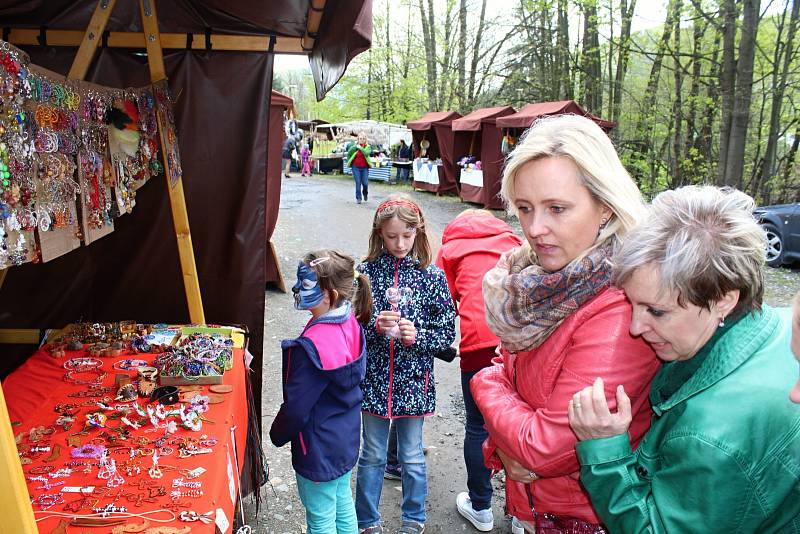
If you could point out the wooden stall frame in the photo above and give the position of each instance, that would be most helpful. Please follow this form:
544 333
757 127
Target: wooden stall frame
14 496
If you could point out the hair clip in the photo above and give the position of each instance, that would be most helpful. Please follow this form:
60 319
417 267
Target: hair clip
317 261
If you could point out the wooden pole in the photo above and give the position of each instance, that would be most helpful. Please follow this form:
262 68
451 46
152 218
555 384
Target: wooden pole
97 25
15 501
177 201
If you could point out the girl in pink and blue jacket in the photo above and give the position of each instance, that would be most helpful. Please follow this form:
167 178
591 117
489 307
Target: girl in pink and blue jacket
322 372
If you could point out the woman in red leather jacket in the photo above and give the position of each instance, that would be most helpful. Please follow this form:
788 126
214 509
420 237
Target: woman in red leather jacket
560 323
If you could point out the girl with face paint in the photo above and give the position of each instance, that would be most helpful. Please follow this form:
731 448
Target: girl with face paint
322 373
402 337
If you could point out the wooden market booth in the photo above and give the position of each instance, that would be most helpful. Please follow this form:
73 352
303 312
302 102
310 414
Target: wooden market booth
218 57
482 186
433 140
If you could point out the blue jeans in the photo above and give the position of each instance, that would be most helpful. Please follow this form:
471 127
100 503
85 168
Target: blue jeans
372 462
479 477
402 174
361 177
329 505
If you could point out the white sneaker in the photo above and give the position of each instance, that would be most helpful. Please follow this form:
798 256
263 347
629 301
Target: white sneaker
516 526
483 520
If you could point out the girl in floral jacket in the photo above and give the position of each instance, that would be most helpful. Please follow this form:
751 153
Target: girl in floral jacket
413 318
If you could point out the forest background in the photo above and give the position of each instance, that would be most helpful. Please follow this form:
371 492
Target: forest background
708 95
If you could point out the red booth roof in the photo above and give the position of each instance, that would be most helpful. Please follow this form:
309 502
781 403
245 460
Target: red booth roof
472 121
530 112
432 117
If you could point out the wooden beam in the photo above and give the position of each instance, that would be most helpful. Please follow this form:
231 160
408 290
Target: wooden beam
314 18
24 336
172 41
281 282
177 201
15 502
97 25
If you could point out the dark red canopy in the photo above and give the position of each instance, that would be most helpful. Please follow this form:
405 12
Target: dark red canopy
434 127
473 121
483 139
530 112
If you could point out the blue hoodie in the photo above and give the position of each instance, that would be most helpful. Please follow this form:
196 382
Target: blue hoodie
321 410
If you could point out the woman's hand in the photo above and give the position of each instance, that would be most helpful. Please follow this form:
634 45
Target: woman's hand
515 470
387 320
408 332
590 417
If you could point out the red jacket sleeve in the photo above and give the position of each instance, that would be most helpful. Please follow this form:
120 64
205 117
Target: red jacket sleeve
541 438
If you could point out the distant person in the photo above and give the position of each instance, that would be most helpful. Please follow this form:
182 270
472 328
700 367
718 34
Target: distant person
471 246
322 373
358 157
305 158
286 155
723 452
403 154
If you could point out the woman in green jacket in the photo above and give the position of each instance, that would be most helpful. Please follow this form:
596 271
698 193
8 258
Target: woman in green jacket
723 452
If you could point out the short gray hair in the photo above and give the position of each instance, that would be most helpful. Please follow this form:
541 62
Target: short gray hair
581 140
704 241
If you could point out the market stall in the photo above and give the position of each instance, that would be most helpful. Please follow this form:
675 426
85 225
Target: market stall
434 166
137 271
523 118
280 104
482 166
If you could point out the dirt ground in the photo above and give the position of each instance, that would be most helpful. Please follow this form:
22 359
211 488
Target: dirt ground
320 212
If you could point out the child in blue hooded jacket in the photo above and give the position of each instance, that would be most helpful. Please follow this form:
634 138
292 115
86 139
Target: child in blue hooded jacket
322 372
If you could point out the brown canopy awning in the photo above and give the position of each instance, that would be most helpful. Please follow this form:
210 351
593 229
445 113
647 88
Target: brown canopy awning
345 29
473 121
530 112
427 121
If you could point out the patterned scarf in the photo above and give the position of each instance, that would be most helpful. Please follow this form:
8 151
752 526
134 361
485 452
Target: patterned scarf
525 303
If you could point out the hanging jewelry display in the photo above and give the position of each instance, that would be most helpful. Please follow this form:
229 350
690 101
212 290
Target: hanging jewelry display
61 140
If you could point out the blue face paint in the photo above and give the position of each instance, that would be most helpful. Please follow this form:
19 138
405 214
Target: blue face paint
307 291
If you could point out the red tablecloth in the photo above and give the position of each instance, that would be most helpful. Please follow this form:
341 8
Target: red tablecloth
33 390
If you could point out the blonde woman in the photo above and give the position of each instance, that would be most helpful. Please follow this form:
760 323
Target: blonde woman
559 321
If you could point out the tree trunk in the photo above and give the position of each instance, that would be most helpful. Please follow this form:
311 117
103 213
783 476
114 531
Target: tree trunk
429 39
473 68
623 53
590 64
562 53
727 81
691 155
676 164
779 81
644 126
462 56
734 162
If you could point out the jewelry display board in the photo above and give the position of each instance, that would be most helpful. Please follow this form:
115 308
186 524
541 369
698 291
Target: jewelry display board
72 155
173 461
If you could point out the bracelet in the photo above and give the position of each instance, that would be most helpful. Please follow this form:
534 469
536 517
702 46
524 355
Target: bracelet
82 364
69 376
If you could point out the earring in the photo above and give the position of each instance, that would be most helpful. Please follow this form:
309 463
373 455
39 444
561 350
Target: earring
603 223
721 322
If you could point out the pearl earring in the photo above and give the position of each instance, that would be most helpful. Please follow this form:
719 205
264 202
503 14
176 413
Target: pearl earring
721 322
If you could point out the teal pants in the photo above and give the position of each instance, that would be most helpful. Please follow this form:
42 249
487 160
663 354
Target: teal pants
329 505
